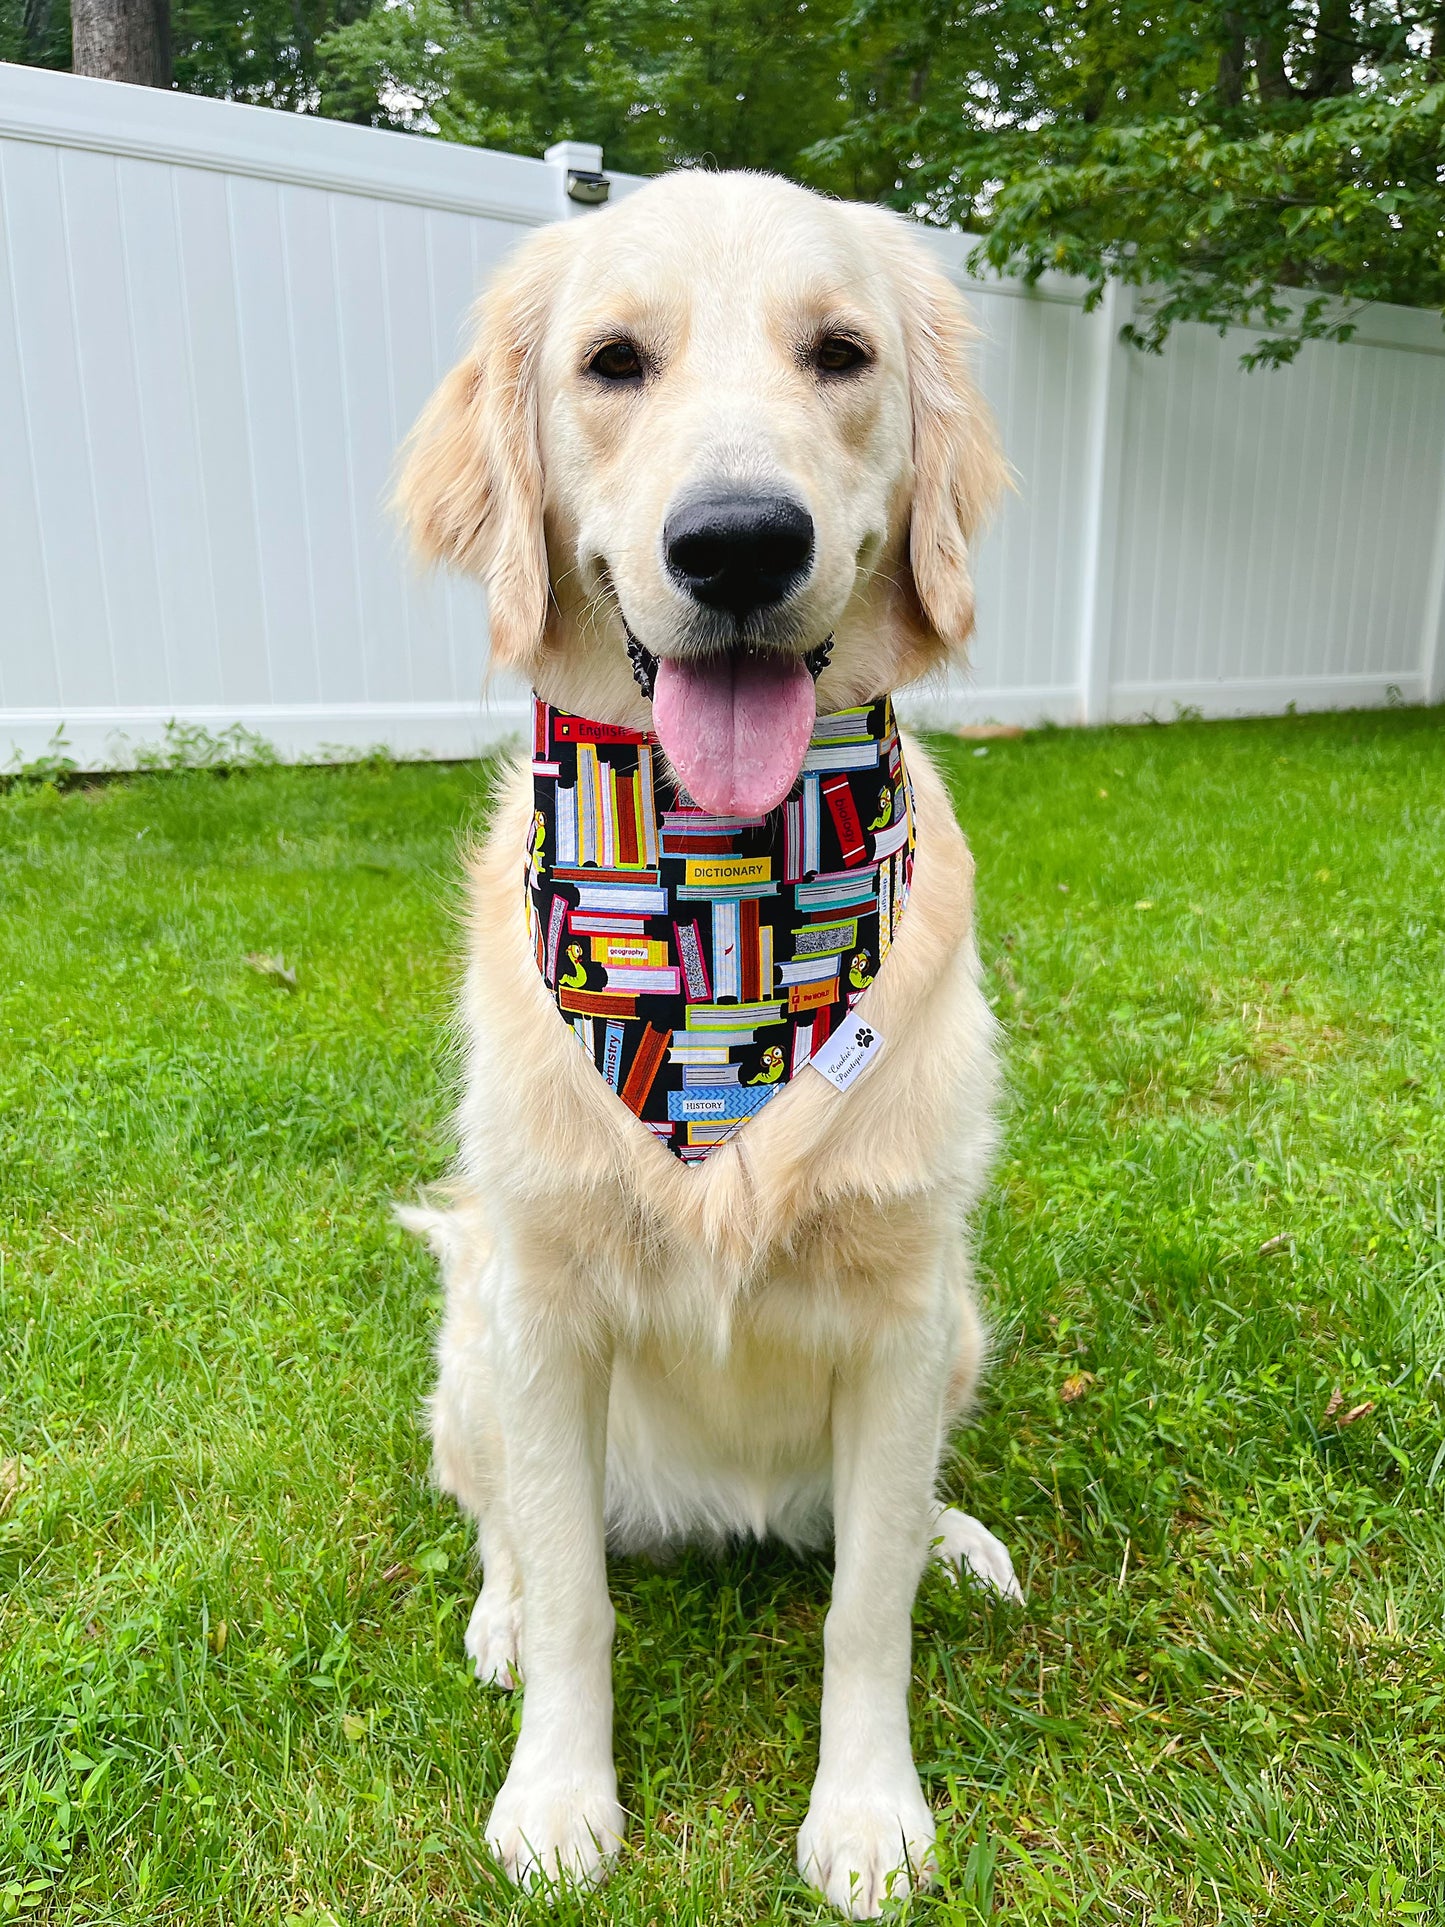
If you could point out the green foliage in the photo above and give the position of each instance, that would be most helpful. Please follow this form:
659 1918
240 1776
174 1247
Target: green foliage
732 83
1344 201
1209 153
192 746
262 52
231 1604
53 765
35 32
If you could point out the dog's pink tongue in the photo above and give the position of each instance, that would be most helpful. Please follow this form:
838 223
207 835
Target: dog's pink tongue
736 730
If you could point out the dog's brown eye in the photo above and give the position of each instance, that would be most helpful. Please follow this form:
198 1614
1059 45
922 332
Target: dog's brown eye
839 355
616 361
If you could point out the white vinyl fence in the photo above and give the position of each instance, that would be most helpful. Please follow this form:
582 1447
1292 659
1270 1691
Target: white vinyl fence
217 323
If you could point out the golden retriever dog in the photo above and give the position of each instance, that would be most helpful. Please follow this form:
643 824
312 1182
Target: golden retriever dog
708 445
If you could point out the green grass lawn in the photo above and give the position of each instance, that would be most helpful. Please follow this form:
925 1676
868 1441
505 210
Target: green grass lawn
232 1686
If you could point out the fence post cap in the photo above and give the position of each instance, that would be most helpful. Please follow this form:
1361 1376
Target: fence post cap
579 157
582 181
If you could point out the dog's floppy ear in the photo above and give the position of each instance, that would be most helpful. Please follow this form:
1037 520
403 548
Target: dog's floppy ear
958 468
470 489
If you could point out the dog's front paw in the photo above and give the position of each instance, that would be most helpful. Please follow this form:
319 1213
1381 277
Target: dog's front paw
552 1825
960 1540
493 1638
861 1846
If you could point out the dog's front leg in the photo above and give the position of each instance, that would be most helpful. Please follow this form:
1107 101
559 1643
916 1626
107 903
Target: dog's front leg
557 1815
868 1832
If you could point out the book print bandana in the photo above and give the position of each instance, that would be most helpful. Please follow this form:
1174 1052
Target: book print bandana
702 960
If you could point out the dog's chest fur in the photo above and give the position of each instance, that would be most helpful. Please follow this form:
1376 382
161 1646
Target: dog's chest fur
842 1270
723 1373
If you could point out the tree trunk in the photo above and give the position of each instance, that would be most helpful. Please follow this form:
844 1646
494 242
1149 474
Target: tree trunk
1335 50
306 45
35 26
122 40
1269 67
1233 54
1092 69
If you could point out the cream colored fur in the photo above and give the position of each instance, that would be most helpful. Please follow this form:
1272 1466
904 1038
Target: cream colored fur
778 1340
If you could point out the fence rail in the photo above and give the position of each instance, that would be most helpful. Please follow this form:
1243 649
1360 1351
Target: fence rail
217 323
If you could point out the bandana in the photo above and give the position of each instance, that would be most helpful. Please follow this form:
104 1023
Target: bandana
702 960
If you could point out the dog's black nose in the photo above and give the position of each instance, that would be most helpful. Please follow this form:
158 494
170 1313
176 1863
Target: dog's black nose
739 552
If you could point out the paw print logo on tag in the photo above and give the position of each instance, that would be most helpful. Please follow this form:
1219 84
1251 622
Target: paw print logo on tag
863 1037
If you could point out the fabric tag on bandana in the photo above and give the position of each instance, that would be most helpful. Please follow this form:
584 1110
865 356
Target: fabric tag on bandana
848 1052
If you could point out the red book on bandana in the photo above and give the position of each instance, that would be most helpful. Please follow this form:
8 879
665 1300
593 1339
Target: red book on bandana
839 793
